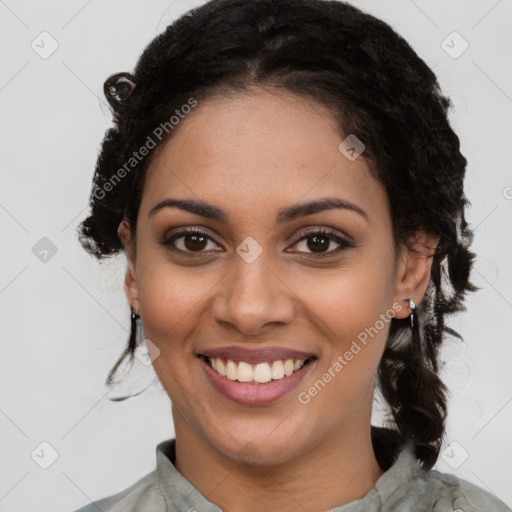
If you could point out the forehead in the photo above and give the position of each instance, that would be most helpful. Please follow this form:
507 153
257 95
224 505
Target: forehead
256 153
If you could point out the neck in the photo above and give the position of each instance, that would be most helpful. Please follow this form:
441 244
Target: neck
335 472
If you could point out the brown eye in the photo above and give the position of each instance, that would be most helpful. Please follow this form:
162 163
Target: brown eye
318 242
195 242
188 241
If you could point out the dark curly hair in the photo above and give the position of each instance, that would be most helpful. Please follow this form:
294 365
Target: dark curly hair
377 88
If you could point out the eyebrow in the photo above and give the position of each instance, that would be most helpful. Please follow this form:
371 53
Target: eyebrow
285 215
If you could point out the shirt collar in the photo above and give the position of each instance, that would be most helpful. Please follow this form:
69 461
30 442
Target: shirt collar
179 492
403 471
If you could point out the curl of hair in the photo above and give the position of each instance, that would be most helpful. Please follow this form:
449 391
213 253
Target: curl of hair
377 88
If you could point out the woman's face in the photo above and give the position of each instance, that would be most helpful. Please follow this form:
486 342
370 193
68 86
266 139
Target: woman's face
259 283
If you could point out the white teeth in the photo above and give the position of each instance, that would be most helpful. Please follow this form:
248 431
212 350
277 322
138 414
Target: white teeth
244 372
231 370
220 367
277 370
261 372
288 367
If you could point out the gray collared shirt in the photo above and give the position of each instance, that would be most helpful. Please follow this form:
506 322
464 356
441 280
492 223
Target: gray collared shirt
404 487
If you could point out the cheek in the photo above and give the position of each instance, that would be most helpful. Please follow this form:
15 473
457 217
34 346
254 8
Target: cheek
346 301
351 309
170 300
170 297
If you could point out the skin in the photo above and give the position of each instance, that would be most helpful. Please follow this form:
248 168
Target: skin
252 155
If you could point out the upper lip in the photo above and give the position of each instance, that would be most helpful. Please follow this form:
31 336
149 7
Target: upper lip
260 355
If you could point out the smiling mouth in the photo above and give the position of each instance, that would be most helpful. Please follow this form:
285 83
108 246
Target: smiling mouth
259 373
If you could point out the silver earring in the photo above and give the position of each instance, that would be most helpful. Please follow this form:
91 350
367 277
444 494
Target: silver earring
140 332
412 307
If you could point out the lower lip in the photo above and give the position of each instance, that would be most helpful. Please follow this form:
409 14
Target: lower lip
254 394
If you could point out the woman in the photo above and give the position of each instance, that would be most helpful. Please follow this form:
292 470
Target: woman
287 189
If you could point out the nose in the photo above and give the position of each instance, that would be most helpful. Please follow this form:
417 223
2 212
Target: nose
252 297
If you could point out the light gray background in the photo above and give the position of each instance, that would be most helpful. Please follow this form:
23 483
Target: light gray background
65 321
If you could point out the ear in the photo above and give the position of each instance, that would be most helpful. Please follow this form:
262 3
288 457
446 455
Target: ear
413 270
131 289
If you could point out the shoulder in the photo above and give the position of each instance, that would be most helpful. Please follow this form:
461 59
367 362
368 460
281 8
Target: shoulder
145 494
407 487
458 495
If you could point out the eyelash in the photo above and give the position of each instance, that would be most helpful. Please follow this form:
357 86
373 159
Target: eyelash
344 243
